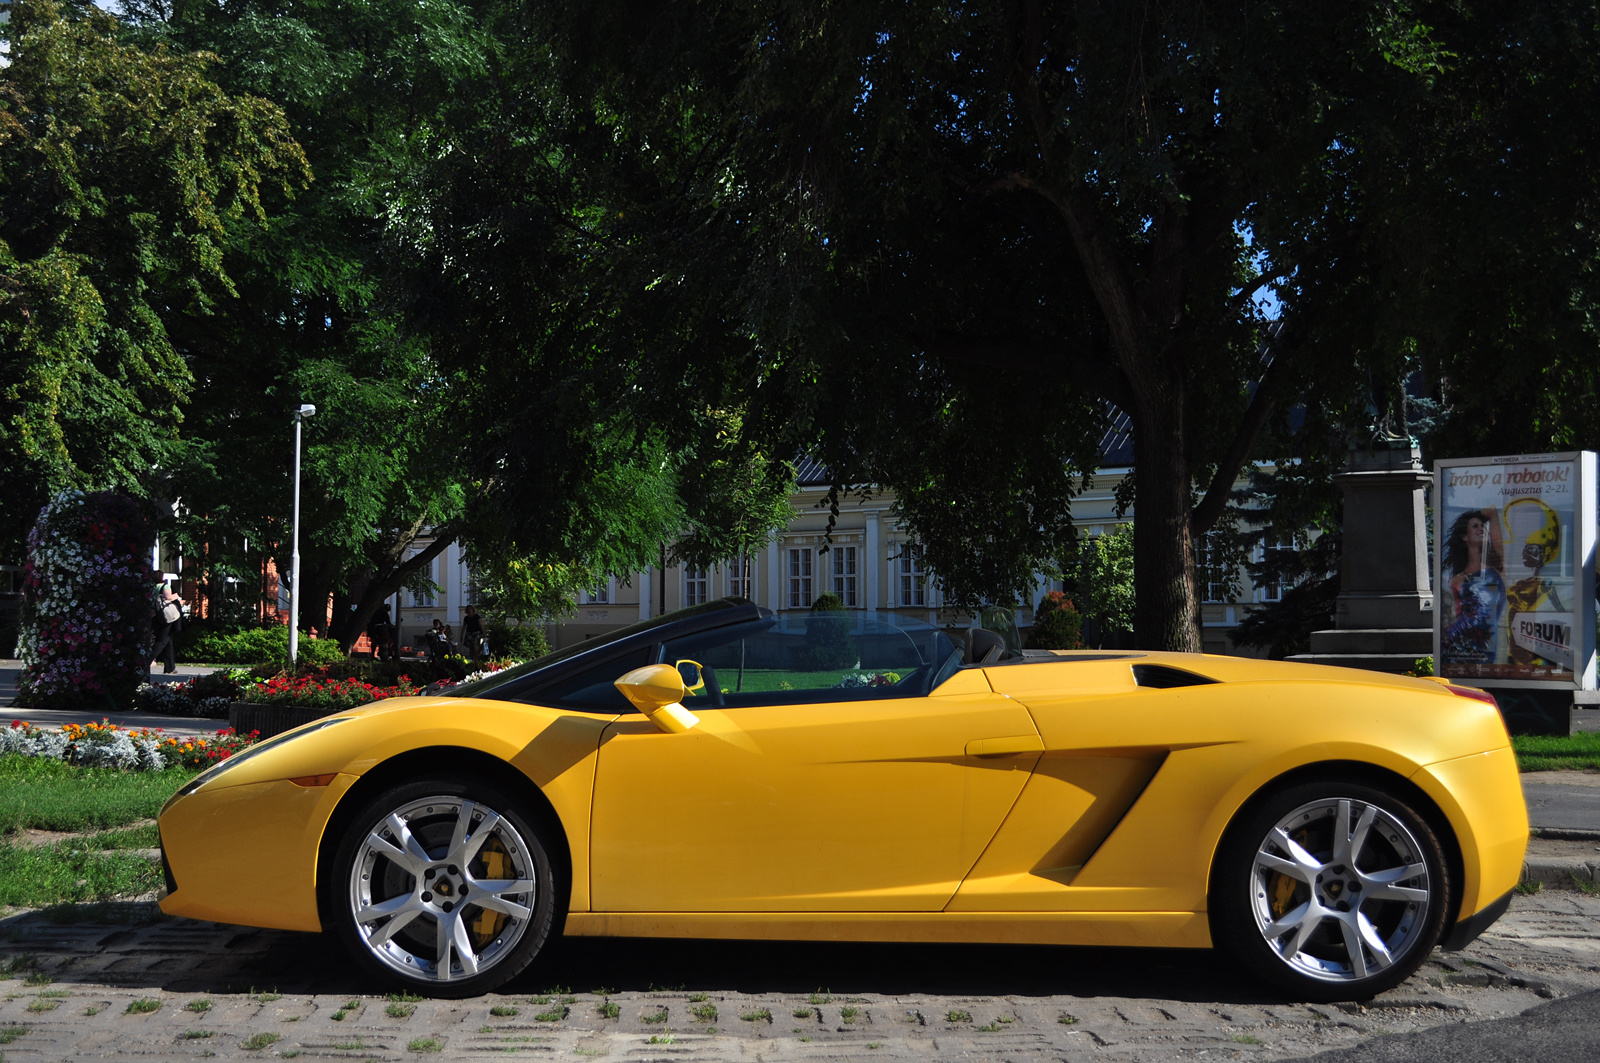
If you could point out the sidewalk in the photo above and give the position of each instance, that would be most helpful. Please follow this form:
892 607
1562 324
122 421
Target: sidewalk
11 670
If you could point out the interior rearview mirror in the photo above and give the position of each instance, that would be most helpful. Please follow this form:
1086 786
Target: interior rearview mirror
657 691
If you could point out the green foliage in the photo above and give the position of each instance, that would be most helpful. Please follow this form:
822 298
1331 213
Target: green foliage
827 644
125 173
1057 625
1422 667
261 645
1105 580
525 642
88 604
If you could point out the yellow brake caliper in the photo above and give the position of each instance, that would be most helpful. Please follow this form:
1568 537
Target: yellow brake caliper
495 866
1281 888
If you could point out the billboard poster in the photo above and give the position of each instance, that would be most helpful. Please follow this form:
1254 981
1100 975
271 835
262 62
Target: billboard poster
1514 570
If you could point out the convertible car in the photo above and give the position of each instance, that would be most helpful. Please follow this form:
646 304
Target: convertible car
721 772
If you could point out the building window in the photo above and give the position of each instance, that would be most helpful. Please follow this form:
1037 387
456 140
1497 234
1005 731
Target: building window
844 574
800 596
422 595
738 586
696 583
1211 570
1271 590
913 579
599 594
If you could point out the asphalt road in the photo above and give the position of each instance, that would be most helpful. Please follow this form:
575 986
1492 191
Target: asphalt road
1563 800
1562 1031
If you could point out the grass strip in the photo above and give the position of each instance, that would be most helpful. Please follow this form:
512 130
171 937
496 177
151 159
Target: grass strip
42 794
1579 752
71 872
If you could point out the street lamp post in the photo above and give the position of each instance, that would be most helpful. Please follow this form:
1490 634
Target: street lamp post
294 563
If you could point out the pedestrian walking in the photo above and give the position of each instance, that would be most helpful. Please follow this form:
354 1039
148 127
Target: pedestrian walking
472 633
167 622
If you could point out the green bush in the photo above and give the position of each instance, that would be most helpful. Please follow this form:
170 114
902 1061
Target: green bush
1057 625
261 645
828 644
521 641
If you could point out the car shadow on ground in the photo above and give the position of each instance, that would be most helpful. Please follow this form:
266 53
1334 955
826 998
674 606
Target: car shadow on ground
133 945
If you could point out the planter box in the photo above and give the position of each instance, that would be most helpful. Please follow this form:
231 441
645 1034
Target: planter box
247 716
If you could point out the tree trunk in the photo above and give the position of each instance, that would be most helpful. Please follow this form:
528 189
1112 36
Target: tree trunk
388 579
1166 611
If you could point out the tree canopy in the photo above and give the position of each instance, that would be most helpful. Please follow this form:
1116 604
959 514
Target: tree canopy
930 228
122 174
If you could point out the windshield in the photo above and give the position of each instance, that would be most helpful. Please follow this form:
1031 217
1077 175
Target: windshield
479 687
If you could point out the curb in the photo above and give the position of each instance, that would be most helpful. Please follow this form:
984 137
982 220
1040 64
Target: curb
1556 873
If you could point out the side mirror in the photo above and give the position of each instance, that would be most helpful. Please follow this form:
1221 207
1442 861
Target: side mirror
694 680
656 690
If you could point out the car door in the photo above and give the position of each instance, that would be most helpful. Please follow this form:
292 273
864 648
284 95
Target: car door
827 773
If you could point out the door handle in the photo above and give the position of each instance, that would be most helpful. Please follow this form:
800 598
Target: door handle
994 747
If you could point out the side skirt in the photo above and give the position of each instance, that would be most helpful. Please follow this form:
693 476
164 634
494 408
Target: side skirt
1173 930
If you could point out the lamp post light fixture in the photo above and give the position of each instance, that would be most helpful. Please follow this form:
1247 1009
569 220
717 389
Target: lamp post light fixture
294 558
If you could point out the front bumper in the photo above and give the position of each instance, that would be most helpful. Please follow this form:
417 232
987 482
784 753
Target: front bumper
248 854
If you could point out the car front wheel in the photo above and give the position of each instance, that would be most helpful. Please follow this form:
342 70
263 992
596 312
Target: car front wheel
1331 891
445 886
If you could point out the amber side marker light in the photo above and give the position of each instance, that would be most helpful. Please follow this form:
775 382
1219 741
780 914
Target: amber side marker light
1475 694
314 780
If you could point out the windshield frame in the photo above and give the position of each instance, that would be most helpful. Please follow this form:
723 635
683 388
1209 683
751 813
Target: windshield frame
675 624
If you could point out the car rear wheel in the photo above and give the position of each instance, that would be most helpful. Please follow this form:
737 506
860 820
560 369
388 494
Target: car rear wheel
444 886
1331 891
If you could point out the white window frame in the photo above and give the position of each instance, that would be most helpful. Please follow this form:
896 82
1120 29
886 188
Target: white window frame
426 599
601 593
844 561
1268 593
696 585
1211 590
799 571
736 577
910 578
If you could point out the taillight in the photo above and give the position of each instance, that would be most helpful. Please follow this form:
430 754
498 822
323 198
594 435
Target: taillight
1475 694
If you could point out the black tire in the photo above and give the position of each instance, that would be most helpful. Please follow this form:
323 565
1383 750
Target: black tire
377 869
1291 913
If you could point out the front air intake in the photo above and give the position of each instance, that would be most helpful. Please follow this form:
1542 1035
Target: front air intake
1160 677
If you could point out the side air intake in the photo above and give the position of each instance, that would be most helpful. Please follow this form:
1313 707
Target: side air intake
1161 677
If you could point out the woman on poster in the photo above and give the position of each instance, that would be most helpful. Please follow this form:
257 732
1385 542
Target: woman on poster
1474 558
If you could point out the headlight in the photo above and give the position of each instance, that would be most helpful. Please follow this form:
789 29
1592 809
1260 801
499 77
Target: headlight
239 758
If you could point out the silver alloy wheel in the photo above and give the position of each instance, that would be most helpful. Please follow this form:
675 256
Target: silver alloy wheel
1340 890
442 888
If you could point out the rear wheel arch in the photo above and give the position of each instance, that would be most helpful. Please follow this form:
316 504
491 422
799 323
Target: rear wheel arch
422 763
1361 772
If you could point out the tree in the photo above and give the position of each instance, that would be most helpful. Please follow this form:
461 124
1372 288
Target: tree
123 173
1086 201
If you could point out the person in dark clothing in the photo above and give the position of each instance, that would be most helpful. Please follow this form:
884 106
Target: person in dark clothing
472 632
380 630
168 621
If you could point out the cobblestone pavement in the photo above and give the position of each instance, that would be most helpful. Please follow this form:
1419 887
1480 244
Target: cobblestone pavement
134 985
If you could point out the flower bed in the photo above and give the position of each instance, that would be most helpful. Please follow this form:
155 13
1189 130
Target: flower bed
206 696
107 745
318 690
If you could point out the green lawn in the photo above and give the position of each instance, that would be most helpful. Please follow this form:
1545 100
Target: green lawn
49 795
100 805
1579 752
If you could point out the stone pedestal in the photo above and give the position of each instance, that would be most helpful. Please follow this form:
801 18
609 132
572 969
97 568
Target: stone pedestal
1384 617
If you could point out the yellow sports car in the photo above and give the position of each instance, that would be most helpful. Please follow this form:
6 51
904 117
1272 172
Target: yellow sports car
720 772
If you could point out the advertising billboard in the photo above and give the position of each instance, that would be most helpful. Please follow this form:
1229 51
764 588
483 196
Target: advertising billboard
1514 554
